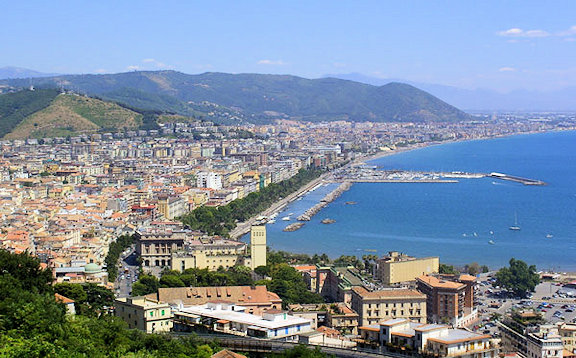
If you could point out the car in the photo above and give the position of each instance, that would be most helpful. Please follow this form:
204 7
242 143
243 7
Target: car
544 310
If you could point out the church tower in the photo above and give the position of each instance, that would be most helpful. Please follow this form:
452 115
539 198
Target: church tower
258 244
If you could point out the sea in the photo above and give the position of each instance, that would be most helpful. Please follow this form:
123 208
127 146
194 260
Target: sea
460 222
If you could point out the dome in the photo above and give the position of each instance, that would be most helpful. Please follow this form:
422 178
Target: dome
92 268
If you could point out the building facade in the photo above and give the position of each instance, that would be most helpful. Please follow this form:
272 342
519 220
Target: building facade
144 314
397 267
373 307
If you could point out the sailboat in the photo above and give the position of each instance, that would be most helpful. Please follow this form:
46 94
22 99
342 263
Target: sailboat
515 227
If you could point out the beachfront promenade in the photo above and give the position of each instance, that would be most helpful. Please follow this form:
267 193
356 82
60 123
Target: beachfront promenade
244 227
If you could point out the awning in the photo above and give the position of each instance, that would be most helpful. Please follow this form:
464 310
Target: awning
256 328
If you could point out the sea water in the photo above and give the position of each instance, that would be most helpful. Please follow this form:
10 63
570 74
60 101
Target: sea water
461 222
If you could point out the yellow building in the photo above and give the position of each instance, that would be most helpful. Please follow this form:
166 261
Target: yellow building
209 253
398 267
258 245
144 314
373 307
567 332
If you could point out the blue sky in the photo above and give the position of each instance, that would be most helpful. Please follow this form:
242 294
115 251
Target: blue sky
498 44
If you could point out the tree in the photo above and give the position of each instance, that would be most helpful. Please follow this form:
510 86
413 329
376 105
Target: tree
473 268
26 270
145 285
518 278
447 269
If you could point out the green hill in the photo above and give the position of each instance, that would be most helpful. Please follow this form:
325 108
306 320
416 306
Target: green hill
15 107
47 113
259 97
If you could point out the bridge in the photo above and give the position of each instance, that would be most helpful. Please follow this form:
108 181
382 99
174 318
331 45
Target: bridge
255 345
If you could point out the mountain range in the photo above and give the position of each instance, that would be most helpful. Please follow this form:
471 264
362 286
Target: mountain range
9 72
256 97
483 99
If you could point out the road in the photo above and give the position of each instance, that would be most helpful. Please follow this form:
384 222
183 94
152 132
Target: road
127 273
244 228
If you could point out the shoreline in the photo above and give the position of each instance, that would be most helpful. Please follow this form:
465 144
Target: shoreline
244 228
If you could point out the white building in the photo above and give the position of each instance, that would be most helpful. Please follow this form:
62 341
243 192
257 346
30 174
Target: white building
209 180
436 339
544 343
227 317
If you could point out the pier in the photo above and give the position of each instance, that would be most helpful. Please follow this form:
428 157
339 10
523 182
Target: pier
525 181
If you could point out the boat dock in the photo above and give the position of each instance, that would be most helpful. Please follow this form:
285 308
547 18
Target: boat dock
525 181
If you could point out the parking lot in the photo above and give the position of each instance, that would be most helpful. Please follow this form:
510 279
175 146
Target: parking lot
491 300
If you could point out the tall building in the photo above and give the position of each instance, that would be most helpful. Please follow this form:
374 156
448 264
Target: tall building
398 267
450 300
258 244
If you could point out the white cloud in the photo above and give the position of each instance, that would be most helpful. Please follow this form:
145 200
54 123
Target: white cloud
154 62
516 32
133 68
101 70
507 69
570 32
272 62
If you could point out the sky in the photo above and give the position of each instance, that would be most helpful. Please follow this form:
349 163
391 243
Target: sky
498 44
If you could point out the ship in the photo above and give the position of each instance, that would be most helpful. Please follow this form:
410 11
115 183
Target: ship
286 218
515 227
491 242
549 236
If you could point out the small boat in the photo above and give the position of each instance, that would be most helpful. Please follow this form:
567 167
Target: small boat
515 227
475 234
491 232
286 218
549 236
464 235
271 221
491 242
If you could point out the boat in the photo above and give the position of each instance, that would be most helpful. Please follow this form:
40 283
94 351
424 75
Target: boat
491 232
350 203
475 235
491 242
549 236
515 227
286 218
272 221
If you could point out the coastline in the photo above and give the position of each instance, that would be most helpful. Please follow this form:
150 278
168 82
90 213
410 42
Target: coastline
244 228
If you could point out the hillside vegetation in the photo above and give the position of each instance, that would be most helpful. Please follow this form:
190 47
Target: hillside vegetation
49 114
260 97
15 107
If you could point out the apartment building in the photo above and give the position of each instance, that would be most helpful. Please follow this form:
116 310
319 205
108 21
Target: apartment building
398 267
144 314
373 307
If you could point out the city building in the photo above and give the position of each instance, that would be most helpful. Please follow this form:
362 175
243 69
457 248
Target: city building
450 299
209 252
398 267
373 307
144 314
171 207
567 332
544 342
335 284
436 340
226 317
254 299
258 244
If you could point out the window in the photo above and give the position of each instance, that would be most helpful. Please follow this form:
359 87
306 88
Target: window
162 312
151 313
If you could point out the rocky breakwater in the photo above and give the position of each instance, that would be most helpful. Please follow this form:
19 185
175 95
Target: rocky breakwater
293 227
308 214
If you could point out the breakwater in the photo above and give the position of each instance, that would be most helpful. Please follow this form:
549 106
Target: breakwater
308 214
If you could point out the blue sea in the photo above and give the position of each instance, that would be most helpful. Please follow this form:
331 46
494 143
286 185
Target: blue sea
455 221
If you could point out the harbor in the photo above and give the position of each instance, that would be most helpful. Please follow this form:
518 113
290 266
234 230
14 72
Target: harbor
330 197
